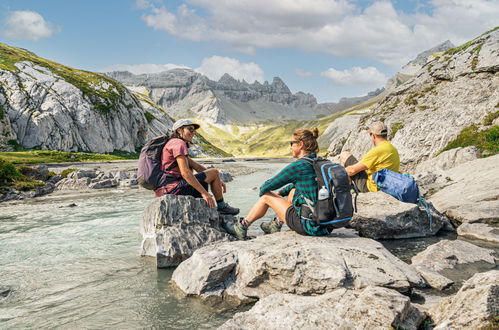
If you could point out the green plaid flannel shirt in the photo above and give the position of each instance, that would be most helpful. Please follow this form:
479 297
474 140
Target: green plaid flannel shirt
300 175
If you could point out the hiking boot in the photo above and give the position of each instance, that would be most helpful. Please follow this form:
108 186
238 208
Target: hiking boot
271 227
227 209
236 229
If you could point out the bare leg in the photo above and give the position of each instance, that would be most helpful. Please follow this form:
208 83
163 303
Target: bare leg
213 178
272 200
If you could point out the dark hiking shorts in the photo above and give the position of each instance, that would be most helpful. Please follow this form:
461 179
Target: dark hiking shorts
184 188
304 226
359 179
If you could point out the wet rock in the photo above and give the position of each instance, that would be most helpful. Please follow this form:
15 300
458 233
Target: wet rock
82 174
173 227
475 306
380 216
73 184
108 183
226 177
439 260
472 195
285 262
370 308
479 231
54 179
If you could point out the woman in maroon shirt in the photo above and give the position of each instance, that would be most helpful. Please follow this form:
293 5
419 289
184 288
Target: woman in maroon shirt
177 163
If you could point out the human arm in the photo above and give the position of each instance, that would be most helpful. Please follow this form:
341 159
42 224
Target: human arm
195 165
285 176
185 171
355 168
285 191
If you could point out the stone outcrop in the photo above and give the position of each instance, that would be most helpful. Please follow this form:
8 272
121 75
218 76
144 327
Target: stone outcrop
381 216
455 90
470 195
173 227
369 308
87 179
475 306
479 231
448 159
338 132
285 262
440 259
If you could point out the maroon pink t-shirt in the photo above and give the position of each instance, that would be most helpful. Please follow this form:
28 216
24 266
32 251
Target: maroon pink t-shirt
172 149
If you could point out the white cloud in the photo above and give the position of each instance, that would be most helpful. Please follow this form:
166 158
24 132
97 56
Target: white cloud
30 25
302 73
337 27
142 68
216 66
364 78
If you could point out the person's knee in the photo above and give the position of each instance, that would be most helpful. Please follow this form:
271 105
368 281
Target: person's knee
344 156
212 174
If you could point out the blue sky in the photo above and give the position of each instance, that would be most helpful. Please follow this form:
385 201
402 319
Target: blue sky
330 48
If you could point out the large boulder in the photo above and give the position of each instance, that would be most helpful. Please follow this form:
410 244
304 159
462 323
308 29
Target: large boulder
173 227
448 159
479 231
447 259
475 306
337 133
381 216
369 308
285 262
472 194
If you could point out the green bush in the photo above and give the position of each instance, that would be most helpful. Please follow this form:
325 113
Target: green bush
487 121
487 141
149 116
7 171
394 129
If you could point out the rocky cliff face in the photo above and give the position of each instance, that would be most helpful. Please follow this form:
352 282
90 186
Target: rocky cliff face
49 106
185 93
457 89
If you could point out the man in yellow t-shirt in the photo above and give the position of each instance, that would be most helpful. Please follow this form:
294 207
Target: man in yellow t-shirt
383 155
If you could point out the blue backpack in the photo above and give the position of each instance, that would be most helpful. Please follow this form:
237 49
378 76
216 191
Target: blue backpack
401 186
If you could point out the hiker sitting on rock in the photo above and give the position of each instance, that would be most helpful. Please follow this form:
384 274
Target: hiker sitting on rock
383 155
298 181
176 162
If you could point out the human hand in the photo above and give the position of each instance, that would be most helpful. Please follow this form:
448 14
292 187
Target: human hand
208 198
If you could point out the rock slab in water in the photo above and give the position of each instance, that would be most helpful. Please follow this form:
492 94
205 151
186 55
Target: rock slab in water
173 227
475 306
446 255
380 216
285 262
370 308
479 231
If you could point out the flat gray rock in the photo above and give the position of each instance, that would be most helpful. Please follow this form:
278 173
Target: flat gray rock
442 258
285 262
472 194
474 306
369 308
173 227
479 231
381 216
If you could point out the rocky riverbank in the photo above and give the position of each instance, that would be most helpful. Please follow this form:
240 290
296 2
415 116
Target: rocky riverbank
354 279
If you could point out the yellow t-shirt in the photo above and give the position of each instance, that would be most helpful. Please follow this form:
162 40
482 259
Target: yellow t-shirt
384 155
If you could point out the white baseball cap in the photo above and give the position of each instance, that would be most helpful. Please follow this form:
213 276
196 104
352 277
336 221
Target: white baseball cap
184 122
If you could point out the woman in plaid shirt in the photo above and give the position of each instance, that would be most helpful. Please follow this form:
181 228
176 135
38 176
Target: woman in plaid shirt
297 184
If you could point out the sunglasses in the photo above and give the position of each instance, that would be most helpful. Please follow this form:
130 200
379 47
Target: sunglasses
292 142
190 128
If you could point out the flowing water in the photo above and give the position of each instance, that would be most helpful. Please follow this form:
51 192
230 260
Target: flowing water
65 266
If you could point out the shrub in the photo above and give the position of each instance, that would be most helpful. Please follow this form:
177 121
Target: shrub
7 171
490 118
487 141
149 116
394 129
